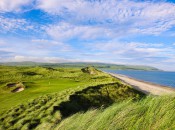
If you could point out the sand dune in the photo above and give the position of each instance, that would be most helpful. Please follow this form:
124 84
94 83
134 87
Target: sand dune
147 88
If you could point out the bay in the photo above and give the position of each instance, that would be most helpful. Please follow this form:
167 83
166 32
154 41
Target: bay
158 77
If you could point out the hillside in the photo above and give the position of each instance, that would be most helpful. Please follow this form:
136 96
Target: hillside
77 98
83 64
53 94
151 113
39 81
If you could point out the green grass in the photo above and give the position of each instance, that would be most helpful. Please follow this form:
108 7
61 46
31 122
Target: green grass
72 99
52 94
151 113
33 90
52 108
39 81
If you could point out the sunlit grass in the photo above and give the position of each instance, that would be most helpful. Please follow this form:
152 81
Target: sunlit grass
39 81
49 92
151 113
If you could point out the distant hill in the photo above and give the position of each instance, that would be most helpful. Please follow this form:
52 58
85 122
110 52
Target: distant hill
83 64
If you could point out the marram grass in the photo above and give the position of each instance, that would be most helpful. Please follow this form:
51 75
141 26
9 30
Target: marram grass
151 113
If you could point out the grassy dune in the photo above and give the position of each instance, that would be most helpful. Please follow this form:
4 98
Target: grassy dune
52 94
74 99
39 81
151 113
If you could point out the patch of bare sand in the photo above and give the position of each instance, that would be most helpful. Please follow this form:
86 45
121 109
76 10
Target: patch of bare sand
18 90
16 87
145 87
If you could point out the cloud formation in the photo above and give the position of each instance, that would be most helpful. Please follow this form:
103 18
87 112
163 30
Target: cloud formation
91 19
13 5
14 24
64 31
120 16
114 18
112 31
133 52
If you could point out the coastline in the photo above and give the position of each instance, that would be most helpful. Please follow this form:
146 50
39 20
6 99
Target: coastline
143 86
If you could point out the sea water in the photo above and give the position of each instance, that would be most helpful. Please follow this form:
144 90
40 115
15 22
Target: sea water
158 77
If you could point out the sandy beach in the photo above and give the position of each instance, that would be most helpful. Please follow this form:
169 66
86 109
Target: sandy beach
145 87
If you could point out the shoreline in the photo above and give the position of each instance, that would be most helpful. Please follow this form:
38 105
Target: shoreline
145 87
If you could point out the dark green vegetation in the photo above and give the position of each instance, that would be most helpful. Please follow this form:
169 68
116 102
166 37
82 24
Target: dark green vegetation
52 94
83 64
90 70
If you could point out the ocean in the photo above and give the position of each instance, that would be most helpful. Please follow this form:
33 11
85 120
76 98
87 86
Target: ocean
158 77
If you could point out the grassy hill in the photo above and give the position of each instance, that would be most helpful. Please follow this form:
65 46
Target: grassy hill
42 80
77 98
83 64
52 94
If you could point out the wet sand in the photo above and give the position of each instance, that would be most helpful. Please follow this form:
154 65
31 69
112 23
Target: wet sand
145 87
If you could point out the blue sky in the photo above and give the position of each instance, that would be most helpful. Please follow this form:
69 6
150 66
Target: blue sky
135 32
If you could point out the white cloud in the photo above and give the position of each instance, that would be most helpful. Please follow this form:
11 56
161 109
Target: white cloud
34 48
2 42
7 24
123 16
94 19
12 24
136 52
45 41
64 31
50 45
19 58
12 5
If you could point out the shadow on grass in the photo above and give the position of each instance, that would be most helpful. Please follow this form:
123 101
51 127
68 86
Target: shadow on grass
97 97
100 96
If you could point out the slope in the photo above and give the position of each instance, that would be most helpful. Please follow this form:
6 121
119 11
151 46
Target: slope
151 113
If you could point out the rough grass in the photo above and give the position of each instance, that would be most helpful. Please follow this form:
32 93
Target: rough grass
57 94
68 99
51 109
39 81
151 113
